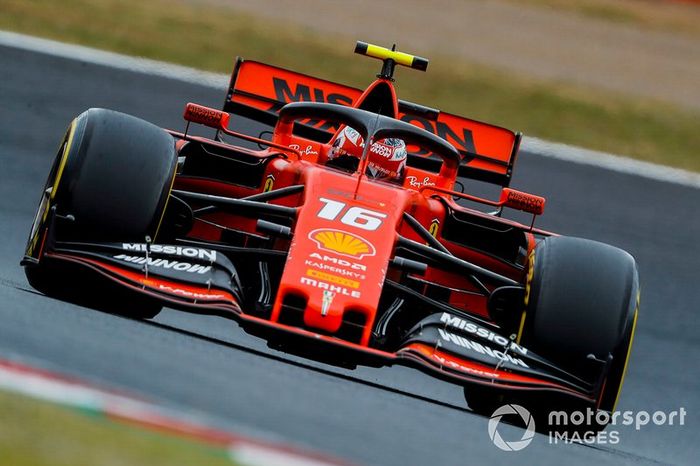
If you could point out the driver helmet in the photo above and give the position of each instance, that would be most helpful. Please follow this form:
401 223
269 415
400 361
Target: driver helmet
387 157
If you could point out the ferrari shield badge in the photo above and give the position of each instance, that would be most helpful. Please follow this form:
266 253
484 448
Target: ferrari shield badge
327 301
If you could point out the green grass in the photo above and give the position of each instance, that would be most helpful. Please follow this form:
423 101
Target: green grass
209 38
36 433
675 17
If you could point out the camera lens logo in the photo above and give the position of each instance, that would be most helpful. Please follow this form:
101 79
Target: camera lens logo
527 419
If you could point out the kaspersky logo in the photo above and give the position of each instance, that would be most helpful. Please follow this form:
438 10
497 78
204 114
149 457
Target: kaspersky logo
342 242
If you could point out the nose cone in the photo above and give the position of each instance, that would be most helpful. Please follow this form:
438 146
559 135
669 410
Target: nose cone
340 251
325 314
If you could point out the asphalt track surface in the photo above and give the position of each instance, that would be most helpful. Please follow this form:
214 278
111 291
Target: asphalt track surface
208 366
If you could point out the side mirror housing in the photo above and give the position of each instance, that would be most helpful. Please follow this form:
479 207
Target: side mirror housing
522 201
206 116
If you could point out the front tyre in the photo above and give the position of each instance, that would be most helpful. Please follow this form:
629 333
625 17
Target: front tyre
112 175
582 301
581 306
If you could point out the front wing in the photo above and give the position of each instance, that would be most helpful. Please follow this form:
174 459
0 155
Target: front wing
449 345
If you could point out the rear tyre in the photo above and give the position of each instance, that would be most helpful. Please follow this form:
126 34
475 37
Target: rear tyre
581 299
113 174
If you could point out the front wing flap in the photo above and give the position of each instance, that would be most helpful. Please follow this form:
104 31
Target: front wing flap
178 275
468 349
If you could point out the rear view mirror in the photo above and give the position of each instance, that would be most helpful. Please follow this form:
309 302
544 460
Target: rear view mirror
202 115
522 201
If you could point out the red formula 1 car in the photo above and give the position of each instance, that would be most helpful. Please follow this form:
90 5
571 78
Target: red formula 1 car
325 261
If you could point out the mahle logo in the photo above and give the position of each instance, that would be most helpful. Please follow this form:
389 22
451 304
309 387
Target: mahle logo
527 419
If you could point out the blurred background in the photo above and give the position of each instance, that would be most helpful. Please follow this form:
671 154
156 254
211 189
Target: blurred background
621 76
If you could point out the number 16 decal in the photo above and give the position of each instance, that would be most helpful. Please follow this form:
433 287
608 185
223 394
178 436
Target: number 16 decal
354 216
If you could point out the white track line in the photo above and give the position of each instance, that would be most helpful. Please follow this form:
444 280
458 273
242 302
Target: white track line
115 60
611 162
220 81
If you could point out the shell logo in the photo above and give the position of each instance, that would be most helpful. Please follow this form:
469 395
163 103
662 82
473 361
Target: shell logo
342 242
